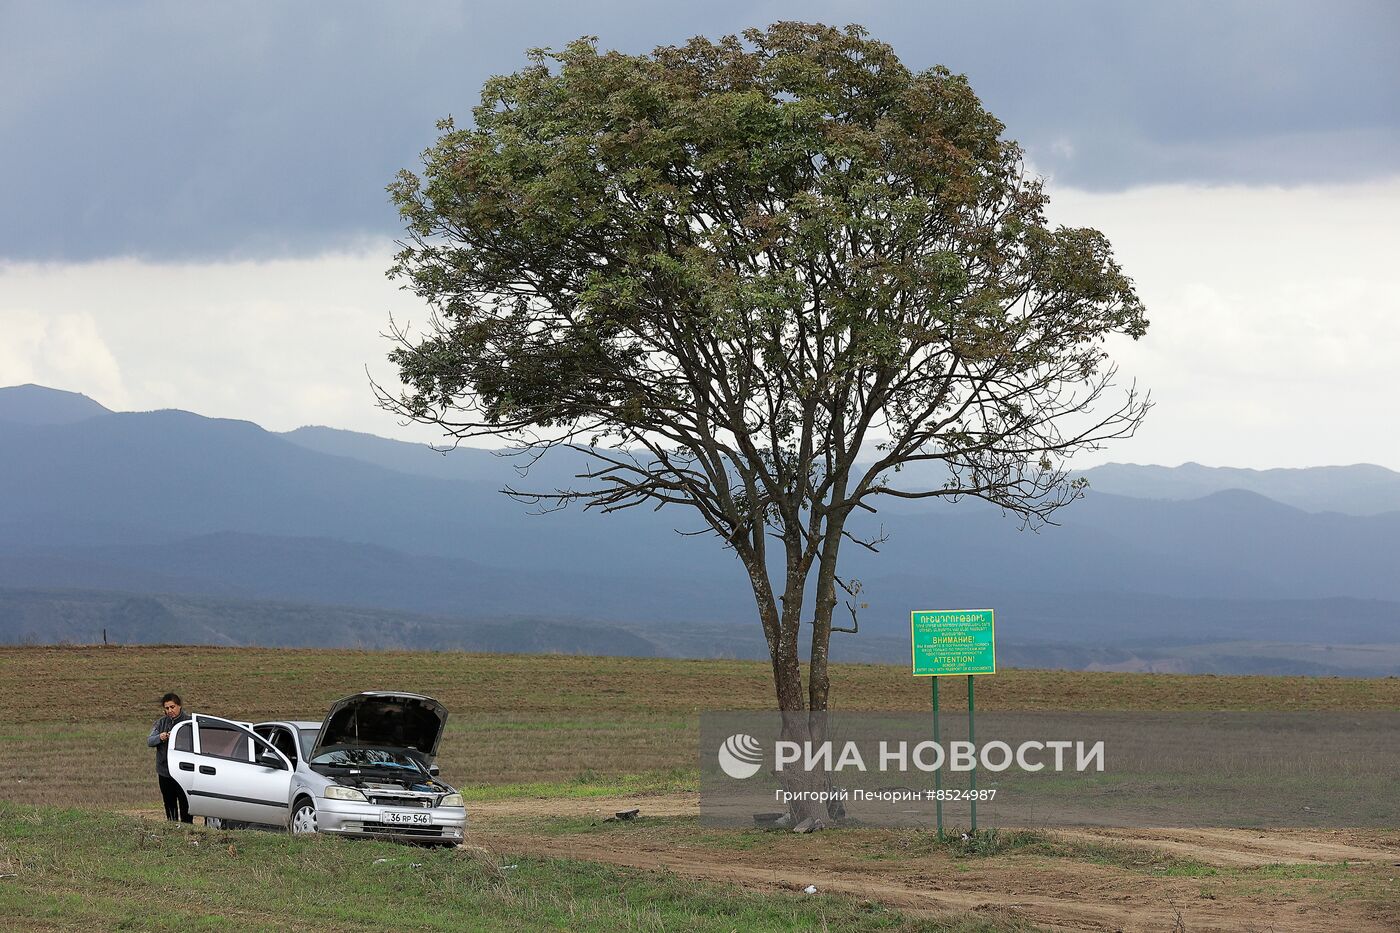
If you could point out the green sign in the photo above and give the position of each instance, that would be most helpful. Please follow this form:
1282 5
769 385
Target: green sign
953 641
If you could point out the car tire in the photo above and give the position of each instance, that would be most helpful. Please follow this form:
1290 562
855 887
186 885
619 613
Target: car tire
303 821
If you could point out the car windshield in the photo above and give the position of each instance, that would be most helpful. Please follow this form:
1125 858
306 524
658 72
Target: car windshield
359 757
308 741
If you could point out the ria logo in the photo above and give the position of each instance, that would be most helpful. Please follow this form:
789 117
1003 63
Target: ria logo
741 756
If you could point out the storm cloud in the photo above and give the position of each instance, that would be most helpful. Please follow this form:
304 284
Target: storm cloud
174 131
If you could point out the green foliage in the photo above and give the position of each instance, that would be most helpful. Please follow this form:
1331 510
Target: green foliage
73 869
801 213
730 268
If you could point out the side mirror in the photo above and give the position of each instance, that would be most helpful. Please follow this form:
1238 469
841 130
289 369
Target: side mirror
434 770
270 759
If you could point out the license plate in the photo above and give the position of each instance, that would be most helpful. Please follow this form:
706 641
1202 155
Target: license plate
406 819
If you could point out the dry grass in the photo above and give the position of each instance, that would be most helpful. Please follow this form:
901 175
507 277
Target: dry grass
73 723
73 720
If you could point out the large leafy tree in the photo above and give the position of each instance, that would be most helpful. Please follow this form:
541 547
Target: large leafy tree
754 278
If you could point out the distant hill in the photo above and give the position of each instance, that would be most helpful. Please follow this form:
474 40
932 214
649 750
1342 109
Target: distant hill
493 469
29 616
151 477
317 570
47 616
471 464
32 404
172 503
321 570
1360 489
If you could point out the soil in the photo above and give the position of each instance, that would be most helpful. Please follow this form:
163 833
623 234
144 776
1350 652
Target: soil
1057 893
1054 893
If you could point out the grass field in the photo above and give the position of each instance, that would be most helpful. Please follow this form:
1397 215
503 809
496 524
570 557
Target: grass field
544 746
74 869
519 724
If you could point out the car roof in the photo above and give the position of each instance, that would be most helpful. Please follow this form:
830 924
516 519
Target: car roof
294 723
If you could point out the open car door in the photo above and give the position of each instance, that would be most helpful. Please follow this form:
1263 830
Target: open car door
227 771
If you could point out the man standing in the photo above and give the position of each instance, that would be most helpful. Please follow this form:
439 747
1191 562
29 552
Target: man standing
176 806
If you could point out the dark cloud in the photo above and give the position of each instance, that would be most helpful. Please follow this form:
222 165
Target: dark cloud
182 130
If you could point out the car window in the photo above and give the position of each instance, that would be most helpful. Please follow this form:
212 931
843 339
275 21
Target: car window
359 757
308 741
223 741
282 740
184 738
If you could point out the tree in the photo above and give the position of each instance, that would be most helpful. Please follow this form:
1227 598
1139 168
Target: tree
734 271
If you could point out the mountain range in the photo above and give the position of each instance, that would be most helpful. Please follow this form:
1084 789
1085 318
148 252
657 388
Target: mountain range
167 522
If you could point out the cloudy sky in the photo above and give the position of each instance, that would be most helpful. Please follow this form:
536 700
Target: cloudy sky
194 212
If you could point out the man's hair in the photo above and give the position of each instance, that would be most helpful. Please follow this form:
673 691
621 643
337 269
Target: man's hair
171 696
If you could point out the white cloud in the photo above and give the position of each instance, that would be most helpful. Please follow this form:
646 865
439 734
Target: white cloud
1275 320
59 349
282 343
1275 323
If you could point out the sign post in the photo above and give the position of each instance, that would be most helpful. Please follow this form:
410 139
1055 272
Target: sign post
949 643
937 775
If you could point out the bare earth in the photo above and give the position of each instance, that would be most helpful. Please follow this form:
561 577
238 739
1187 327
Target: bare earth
1065 894
74 723
1058 894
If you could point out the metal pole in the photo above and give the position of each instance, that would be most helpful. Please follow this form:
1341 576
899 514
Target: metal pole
938 774
972 740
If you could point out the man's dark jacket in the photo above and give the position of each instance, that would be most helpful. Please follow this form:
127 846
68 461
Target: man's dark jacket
163 724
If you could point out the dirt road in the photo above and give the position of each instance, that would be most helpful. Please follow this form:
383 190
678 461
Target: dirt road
1056 893
1059 893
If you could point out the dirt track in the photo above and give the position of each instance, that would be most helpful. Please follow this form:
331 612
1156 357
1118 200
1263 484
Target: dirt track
1058 893
1243 847
1061 893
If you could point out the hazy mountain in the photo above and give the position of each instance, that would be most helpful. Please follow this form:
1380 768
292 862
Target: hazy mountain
492 468
316 570
321 570
1359 489
29 616
34 616
1230 543
151 477
174 503
31 404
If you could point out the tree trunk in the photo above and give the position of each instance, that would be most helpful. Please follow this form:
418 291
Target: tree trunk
787 665
772 623
781 627
802 710
818 683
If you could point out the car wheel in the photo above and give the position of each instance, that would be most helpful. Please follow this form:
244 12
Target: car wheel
303 818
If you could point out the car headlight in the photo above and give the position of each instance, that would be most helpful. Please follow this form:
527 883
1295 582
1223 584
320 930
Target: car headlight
452 800
336 792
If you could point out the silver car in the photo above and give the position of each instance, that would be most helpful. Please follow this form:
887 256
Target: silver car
367 770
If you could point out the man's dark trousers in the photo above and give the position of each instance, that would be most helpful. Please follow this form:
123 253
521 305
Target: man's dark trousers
176 806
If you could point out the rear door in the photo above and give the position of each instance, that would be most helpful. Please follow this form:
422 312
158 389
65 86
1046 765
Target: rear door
282 736
231 773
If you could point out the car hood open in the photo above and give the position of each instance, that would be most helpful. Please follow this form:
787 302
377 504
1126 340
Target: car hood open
383 720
